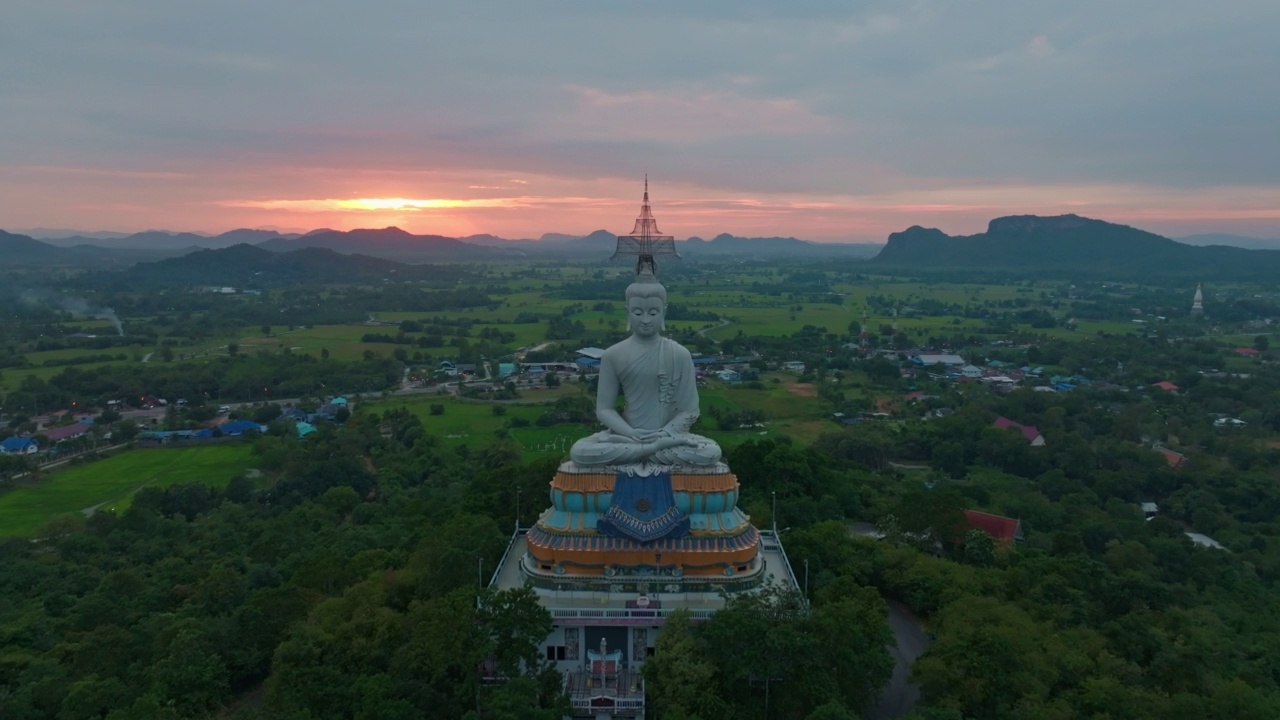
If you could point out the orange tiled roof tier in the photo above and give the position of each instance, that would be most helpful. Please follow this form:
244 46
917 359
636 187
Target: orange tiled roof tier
603 482
695 556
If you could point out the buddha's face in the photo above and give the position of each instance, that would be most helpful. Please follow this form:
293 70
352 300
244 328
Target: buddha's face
645 315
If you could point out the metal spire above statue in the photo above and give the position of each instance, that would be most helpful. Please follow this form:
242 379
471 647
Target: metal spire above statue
646 241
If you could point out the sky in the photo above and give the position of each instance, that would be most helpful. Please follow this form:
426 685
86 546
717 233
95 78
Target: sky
830 121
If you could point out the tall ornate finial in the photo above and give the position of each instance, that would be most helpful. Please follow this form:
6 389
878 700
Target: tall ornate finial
646 240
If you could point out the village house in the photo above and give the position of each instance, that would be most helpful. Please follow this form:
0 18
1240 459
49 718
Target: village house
19 446
729 376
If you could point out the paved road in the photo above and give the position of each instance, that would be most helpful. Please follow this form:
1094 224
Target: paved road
703 332
900 695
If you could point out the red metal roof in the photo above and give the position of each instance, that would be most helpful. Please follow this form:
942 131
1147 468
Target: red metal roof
1028 431
1004 530
1173 458
65 432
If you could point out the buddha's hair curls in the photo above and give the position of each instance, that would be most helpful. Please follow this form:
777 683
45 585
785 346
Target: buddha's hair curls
647 286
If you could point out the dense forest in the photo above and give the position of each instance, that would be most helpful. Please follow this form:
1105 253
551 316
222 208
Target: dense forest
346 584
348 579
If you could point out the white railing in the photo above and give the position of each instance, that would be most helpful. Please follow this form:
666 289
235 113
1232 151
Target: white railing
647 614
617 704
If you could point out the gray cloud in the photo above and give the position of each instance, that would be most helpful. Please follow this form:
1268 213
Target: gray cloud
747 97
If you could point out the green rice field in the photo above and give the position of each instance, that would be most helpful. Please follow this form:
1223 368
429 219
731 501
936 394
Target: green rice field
111 483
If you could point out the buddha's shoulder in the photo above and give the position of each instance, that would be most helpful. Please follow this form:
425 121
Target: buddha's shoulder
622 347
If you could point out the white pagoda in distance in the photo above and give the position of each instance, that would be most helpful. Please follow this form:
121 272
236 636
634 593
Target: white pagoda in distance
1197 303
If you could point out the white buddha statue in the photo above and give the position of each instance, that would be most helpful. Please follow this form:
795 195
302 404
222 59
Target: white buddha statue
655 377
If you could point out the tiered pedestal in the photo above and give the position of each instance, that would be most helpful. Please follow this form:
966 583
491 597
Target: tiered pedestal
719 542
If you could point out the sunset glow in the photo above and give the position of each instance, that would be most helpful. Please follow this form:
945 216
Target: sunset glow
393 203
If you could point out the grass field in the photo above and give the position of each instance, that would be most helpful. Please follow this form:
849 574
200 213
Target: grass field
473 423
788 409
112 482
11 378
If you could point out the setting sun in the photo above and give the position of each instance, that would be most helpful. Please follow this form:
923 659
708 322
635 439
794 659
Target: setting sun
393 203
414 204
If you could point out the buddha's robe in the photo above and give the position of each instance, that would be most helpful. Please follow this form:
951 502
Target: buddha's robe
658 384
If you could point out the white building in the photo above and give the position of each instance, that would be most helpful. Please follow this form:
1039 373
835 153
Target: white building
625 614
948 359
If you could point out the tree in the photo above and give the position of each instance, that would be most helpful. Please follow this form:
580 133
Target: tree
1261 343
189 673
849 621
770 650
437 409
128 430
679 675
948 458
979 548
515 624
990 658
233 349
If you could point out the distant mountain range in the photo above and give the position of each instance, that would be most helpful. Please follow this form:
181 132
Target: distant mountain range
246 266
392 243
1023 243
1240 241
772 247
396 244
164 240
1070 243
22 250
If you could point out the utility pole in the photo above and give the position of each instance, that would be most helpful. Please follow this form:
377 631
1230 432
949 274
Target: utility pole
517 510
806 579
774 493
480 571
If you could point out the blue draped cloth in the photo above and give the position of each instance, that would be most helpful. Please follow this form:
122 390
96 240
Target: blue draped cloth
643 509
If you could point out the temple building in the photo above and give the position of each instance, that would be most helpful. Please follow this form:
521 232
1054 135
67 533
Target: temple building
1197 303
644 516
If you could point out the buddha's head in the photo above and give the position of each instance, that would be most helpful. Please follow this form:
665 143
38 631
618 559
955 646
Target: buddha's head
646 306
